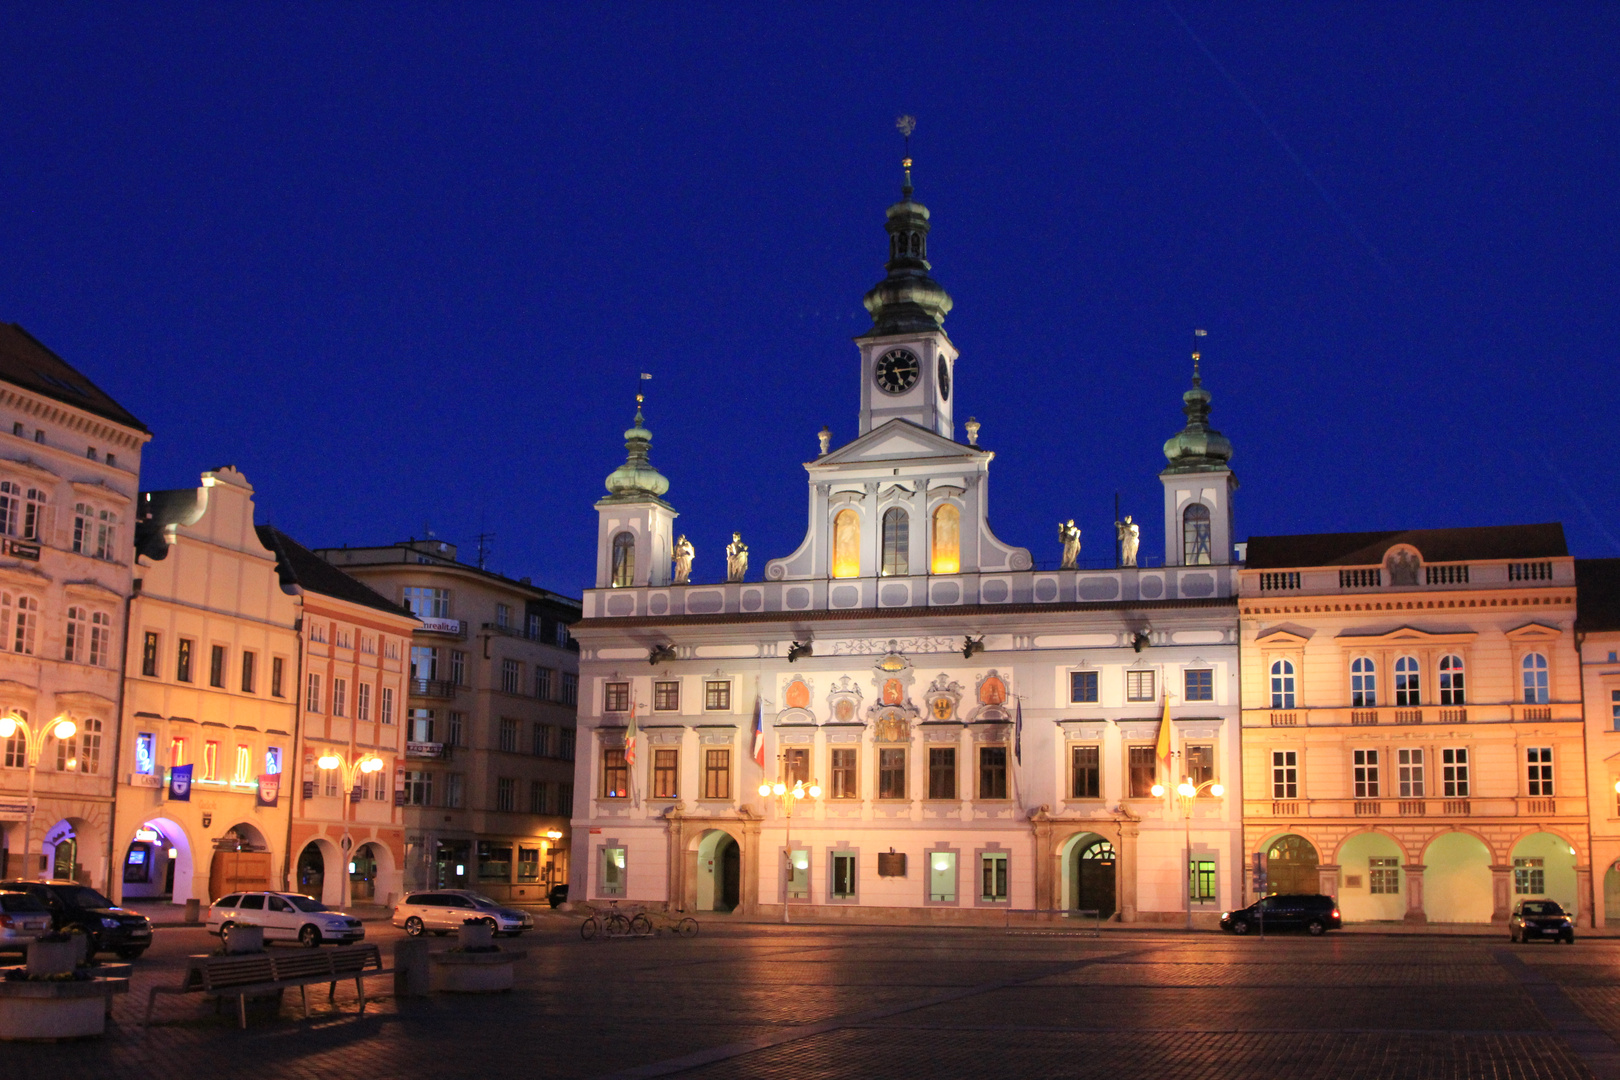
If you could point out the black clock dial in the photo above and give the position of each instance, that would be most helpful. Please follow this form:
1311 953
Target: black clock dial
944 379
897 371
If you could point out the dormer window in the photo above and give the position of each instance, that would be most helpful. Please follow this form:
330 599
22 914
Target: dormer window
624 560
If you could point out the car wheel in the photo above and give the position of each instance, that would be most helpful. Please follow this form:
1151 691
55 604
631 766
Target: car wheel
491 924
1316 927
225 933
413 926
1569 939
309 937
1240 928
131 953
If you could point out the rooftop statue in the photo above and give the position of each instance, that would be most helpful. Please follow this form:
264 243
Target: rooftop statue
1069 534
684 554
736 558
1130 538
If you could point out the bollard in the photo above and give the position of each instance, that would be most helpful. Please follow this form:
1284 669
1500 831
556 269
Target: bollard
411 972
193 911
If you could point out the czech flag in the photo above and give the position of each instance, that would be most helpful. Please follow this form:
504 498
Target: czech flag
630 737
759 732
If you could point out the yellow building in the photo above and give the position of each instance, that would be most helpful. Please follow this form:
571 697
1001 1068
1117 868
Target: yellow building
1597 633
1412 723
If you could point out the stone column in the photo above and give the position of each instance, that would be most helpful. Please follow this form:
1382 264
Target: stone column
1046 861
1414 893
751 866
1125 870
676 871
1583 896
1501 892
1327 879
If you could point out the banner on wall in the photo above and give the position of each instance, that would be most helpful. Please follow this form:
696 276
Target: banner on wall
269 788
180 783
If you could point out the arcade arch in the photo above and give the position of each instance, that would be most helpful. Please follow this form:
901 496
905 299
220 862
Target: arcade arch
719 871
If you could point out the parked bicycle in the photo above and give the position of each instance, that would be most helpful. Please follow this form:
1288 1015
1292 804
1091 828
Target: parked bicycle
615 922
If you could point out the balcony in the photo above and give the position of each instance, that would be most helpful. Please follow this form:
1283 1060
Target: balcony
1363 716
1284 719
1413 808
433 688
1369 808
1454 716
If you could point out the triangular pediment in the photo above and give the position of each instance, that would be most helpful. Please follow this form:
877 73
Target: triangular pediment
894 441
1281 636
1532 632
1413 635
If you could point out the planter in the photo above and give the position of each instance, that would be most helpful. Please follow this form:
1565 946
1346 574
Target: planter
475 935
52 957
473 973
56 1010
244 939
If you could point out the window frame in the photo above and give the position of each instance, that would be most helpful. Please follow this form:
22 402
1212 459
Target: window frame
717 770
845 778
616 696
1283 675
1408 682
1083 687
717 695
615 774
993 775
1284 774
1453 676
942 779
1411 772
1076 770
666 772
894 554
1363 683
622 560
1454 774
1204 690
1141 770
1365 766
1535 678
886 773
667 695
1135 679
1539 772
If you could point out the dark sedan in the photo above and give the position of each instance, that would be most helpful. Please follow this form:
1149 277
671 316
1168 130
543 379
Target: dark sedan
1311 912
1540 920
73 906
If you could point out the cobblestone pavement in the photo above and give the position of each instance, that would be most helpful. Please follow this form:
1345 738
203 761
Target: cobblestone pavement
822 1001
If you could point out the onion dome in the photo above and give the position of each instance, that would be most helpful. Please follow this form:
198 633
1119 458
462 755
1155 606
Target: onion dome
908 301
636 478
1197 447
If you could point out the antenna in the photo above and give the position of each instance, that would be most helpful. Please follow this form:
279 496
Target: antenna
1197 353
640 397
486 544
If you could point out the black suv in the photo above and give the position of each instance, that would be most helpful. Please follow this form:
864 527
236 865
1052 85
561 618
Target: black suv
557 895
74 906
1540 919
1304 911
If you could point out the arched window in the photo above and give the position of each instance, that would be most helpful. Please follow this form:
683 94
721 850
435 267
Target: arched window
1535 679
896 542
946 557
1451 681
1408 683
1363 683
1282 684
846 547
1195 549
624 560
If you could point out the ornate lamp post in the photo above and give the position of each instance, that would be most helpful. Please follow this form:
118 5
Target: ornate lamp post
33 745
786 796
350 771
1186 794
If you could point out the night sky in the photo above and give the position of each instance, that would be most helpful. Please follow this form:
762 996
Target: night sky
402 264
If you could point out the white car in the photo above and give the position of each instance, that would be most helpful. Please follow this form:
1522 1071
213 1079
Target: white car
284 917
444 910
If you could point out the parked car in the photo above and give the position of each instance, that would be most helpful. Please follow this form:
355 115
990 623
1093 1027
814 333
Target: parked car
1538 920
284 917
22 919
557 896
444 910
1311 912
73 906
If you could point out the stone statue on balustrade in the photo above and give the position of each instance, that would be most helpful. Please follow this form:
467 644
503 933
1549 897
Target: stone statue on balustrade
736 558
1130 538
684 554
1069 535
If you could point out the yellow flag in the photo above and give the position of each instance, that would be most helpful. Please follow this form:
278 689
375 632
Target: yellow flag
1163 749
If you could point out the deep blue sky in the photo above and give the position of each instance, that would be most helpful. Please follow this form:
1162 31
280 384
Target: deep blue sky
401 264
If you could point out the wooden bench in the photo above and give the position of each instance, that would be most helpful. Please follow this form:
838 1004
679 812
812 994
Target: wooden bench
253 974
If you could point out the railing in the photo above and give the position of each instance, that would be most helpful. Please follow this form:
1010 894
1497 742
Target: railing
1279 581
1281 808
1361 579
1456 807
1413 808
1537 712
1409 716
1368 808
1456 574
1364 716
1541 806
1284 719
1530 571
1454 716
436 688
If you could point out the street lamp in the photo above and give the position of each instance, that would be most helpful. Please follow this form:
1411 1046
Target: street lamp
786 797
1186 793
350 772
33 745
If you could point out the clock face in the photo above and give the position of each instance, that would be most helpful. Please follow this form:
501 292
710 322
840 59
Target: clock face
944 379
896 371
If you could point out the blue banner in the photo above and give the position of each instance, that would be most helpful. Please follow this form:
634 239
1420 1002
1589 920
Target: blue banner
180 783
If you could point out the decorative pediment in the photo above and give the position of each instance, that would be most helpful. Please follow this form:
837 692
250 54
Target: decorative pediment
844 701
897 439
1281 638
91 590
796 702
1533 632
991 694
941 698
1410 635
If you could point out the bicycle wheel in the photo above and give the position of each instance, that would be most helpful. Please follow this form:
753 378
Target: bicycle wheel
687 927
617 925
641 925
590 928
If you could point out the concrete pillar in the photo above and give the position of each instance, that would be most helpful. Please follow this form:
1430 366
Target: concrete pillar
1583 896
1327 879
1501 893
1125 870
412 973
1414 893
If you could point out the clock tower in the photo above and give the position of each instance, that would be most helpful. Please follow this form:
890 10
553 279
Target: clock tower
907 361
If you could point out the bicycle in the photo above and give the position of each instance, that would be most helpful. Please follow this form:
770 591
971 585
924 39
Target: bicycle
612 923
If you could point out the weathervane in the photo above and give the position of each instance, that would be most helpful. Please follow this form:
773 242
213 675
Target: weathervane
1197 355
907 124
640 397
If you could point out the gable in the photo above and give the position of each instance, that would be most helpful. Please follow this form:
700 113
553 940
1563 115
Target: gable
895 440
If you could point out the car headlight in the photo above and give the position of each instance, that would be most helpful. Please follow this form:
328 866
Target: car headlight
110 924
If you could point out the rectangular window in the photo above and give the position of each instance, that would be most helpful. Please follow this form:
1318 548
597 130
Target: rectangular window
1083 687
529 863
796 766
612 872
509 735
1085 772
798 874
421 725
942 877
424 662
149 655
278 669
428 603
1454 772
538 803
177 752
1366 774
248 661
993 877
454 790
210 761
313 698
145 753
532 627
1201 881
616 697
843 774
1539 763
1285 774
666 774
1139 686
544 680
182 661
503 616
362 701
511 677
1529 877
717 774
216 666
1383 875
1200 764
891 773
329 785
615 774
387 704
506 794
244 765
565 800
843 875
1409 768
458 667
717 696
419 788
567 743
1200 685
1144 766
992 772
541 746
340 697
667 696
942 772
1614 707
570 688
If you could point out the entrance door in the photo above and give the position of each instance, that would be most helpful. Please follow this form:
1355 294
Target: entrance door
451 864
1291 867
1094 879
311 871
730 856
363 879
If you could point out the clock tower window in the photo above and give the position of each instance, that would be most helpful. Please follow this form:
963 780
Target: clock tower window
947 552
846 545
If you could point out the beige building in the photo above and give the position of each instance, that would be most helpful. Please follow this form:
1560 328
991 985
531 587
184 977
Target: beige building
347 828
1412 723
210 682
1597 635
488 781
70 459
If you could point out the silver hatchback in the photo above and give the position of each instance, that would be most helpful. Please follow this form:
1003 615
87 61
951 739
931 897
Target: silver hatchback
444 910
22 919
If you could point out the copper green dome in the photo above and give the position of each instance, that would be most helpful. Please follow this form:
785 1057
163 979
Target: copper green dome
1197 447
636 479
908 300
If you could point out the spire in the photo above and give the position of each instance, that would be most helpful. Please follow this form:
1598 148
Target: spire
636 480
1198 447
908 300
